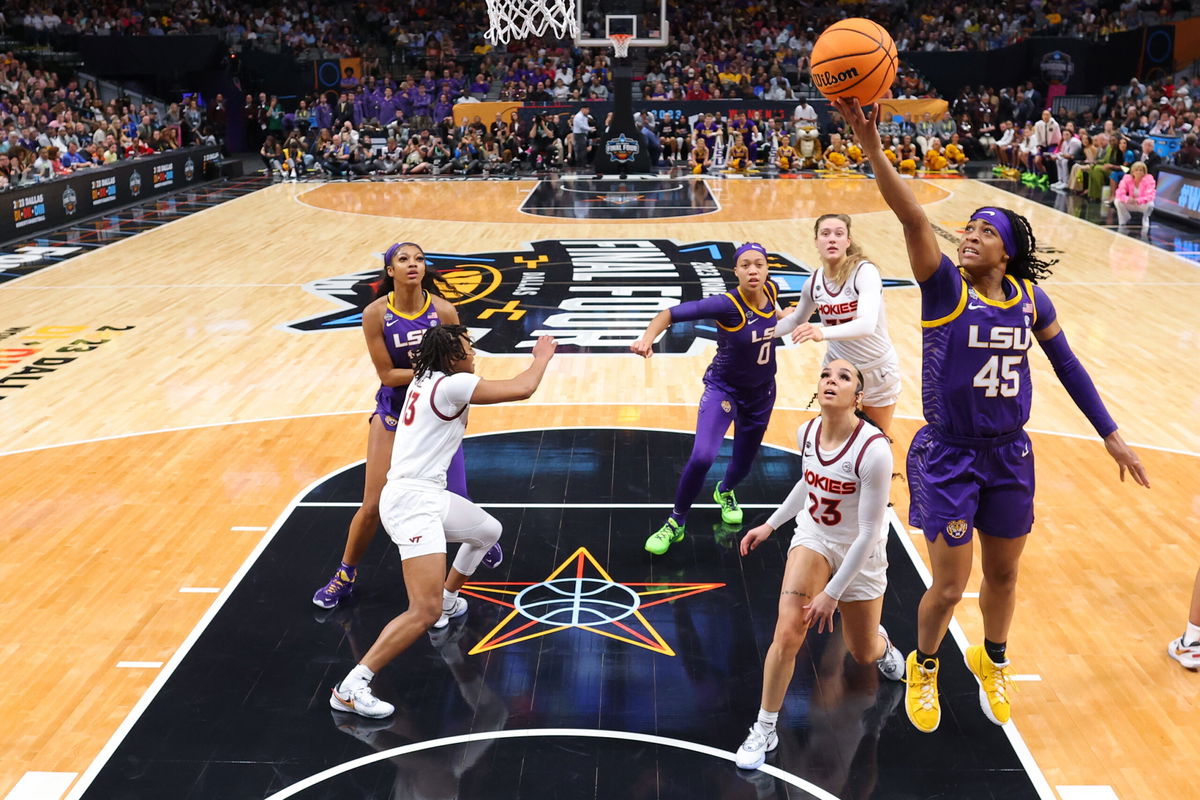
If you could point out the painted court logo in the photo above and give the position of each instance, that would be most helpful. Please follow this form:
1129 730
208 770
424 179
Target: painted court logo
593 295
622 148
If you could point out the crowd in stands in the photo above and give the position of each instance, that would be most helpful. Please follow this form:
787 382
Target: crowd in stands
51 127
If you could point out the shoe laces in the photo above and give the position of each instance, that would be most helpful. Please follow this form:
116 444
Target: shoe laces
926 683
757 740
336 584
998 683
728 502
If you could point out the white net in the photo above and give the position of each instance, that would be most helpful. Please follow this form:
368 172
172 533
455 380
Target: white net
620 44
521 19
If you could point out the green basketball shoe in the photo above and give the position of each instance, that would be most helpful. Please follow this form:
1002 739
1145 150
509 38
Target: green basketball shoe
731 512
661 540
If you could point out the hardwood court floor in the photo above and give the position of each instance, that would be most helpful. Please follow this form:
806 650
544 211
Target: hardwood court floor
128 469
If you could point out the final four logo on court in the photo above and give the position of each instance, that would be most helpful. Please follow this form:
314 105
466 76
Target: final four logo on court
622 148
593 295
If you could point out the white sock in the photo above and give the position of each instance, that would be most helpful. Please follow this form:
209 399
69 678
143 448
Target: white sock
448 599
767 720
357 678
1193 634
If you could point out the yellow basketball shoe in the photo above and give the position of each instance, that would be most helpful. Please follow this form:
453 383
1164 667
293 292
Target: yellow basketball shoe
921 698
994 684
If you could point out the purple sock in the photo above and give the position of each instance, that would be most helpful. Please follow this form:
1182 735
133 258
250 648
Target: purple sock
745 447
711 424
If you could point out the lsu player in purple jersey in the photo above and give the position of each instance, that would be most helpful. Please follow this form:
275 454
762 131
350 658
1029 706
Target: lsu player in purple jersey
408 303
971 467
837 558
739 385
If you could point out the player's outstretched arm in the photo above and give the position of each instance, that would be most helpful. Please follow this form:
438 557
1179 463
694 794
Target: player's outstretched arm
644 346
1075 379
924 255
522 386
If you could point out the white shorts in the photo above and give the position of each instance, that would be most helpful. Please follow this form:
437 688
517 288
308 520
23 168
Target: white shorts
881 385
422 521
870 583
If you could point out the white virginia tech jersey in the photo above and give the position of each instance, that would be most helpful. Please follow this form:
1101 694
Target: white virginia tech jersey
431 427
833 480
838 305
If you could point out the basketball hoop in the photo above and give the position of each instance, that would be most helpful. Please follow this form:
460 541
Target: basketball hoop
620 43
522 19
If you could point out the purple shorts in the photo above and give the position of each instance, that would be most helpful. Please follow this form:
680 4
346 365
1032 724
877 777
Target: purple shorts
389 402
750 409
957 484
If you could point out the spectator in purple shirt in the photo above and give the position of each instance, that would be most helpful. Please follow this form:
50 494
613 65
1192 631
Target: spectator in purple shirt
387 106
480 86
323 114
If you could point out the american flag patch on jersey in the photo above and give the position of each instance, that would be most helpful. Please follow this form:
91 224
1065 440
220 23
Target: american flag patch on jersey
1027 308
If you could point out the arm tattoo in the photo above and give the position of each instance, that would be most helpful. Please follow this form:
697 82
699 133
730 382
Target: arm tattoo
798 594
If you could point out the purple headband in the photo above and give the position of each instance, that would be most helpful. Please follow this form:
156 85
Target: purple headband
391 251
999 220
755 246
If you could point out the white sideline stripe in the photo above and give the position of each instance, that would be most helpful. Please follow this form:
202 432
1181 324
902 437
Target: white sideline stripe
1026 677
1010 730
970 595
1086 793
321 504
349 766
139 664
247 528
41 786
200 590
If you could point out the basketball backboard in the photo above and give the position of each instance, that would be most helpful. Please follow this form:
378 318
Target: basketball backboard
645 20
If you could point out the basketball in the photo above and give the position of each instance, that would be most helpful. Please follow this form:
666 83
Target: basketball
854 58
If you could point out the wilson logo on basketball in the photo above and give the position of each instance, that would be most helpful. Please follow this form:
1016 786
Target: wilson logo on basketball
824 79
593 295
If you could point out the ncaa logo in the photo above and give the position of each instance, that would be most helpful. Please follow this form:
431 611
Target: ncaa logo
847 468
956 529
189 169
70 202
135 183
726 406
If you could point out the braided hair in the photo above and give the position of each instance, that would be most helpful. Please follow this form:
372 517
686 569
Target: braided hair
440 346
1024 264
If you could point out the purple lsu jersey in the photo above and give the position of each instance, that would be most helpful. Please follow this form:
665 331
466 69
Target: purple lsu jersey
975 366
745 337
401 333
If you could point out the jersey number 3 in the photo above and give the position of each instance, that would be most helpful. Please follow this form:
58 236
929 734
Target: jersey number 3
999 376
410 410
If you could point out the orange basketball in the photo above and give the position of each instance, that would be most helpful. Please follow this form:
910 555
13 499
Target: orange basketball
854 58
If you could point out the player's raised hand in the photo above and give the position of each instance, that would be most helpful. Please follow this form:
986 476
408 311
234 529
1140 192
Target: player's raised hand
754 537
865 128
544 347
1126 459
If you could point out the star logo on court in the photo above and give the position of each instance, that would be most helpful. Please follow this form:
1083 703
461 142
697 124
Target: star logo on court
580 594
